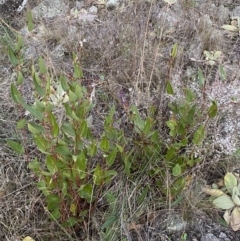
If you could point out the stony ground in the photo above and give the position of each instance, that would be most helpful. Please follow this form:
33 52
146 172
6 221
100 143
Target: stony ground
128 43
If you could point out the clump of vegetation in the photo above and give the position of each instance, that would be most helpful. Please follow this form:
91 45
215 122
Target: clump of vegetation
227 198
234 26
83 163
77 164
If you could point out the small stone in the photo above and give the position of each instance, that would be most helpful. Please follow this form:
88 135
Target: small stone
209 237
112 3
50 9
79 5
236 11
93 10
224 236
175 223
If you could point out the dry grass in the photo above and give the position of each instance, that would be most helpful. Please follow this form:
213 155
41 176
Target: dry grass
130 47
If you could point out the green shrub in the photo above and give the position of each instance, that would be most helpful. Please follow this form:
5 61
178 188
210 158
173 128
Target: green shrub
79 165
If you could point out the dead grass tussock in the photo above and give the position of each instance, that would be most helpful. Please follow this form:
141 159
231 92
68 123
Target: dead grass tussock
123 201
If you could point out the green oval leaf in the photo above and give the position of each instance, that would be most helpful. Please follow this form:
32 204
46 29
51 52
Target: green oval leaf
21 124
37 86
199 135
235 219
30 21
171 153
72 96
212 111
20 42
64 83
175 46
42 143
81 165
111 157
54 125
201 77
70 222
230 181
68 129
86 192
104 144
34 128
51 164
138 122
230 27
53 201
170 2
171 124
213 192
35 166
37 114
236 200
147 126
17 147
222 73
42 66
217 54
224 202
208 55
98 175
109 174
109 222
84 129
40 106
92 149
78 91
12 56
169 88
63 150
77 72
142 196
177 170
16 96
19 78
120 148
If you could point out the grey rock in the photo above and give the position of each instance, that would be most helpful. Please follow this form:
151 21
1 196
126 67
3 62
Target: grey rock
175 223
223 236
170 18
84 15
72 30
22 6
205 22
222 14
8 8
216 39
112 3
190 73
209 237
79 5
236 12
30 53
58 53
50 9
195 50
93 10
